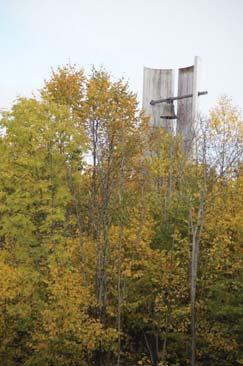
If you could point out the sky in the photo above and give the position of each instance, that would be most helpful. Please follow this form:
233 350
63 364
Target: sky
123 36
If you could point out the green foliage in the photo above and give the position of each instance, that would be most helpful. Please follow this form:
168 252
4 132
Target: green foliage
96 215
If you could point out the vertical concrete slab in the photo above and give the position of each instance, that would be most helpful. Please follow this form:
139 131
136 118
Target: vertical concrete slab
157 84
187 109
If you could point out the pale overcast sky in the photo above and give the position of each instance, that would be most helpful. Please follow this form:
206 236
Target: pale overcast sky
123 36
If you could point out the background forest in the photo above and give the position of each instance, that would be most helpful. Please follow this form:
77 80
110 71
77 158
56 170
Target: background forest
115 247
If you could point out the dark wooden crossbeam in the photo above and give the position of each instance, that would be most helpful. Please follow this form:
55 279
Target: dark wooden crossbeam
171 99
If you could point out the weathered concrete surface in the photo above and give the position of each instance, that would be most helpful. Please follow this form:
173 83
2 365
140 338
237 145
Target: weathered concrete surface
187 108
157 84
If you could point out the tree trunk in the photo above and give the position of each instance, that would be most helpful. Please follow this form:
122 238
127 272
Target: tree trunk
196 232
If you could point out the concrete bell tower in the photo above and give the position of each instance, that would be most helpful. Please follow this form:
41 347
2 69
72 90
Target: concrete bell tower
159 97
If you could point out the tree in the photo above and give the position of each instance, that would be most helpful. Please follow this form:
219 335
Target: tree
41 141
101 222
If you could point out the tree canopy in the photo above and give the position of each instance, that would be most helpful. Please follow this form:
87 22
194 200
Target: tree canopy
115 247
